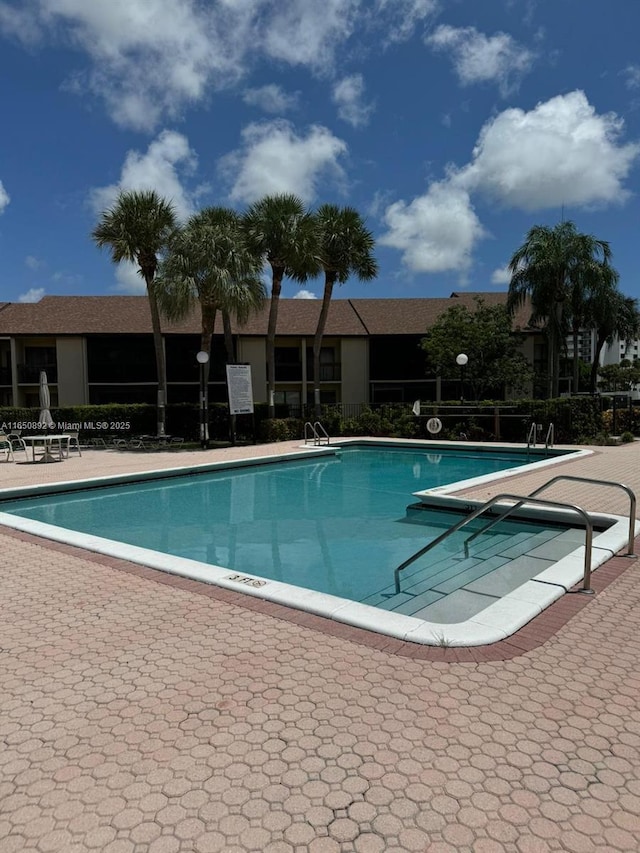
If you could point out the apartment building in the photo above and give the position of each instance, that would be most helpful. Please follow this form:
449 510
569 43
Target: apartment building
99 349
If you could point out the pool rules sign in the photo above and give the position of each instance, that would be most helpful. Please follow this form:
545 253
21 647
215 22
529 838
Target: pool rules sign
240 389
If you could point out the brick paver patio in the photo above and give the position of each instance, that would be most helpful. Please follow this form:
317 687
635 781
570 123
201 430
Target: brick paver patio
139 716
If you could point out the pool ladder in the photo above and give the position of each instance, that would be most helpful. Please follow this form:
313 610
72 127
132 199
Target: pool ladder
532 499
533 436
316 433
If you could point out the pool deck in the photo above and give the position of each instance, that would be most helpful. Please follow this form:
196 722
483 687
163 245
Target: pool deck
144 713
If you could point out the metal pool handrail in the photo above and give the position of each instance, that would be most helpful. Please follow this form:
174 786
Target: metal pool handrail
550 437
532 436
574 479
586 583
318 433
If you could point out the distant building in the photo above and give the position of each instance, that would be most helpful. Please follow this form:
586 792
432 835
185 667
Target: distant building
586 345
617 351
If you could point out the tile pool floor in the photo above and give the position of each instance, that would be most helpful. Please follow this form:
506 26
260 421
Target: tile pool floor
138 715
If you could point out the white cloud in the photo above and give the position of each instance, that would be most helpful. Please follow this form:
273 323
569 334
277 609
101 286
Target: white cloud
67 279
399 18
632 73
35 294
478 58
304 33
19 23
274 159
560 152
4 197
305 294
149 61
436 232
33 263
348 94
165 165
129 279
271 98
501 275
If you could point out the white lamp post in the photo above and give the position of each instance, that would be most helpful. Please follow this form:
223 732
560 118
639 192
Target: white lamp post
203 358
461 361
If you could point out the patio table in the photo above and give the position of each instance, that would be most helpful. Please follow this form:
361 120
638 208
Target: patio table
50 444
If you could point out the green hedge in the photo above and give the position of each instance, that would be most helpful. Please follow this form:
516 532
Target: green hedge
575 419
138 419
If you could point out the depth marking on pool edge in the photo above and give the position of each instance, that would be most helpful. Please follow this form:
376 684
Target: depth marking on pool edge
245 580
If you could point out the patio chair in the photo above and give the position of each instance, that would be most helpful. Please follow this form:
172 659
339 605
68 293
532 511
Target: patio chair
175 442
135 443
17 442
5 447
71 440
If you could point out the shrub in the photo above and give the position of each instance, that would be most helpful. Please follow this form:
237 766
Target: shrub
281 429
627 437
373 423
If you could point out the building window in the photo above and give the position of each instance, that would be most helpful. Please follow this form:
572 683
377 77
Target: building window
329 366
37 359
288 364
288 404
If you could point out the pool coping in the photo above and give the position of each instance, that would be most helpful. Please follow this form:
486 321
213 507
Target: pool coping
532 635
492 625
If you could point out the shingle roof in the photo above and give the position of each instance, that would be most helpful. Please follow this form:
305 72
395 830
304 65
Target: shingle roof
89 315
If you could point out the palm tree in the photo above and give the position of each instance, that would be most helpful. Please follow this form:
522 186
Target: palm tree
595 282
550 267
612 315
282 231
209 263
137 228
345 248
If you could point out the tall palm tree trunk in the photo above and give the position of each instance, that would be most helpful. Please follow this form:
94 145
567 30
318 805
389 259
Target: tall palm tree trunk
593 379
576 361
161 366
231 359
229 344
557 343
206 338
329 281
276 288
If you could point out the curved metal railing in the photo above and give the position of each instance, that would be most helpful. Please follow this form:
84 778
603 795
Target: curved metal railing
586 583
630 493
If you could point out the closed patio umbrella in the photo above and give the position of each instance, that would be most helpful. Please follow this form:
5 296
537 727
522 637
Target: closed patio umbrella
45 401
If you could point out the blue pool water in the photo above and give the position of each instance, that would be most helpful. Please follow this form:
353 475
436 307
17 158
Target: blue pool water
337 524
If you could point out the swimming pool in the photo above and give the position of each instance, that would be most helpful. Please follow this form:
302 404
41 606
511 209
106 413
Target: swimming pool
336 525
329 528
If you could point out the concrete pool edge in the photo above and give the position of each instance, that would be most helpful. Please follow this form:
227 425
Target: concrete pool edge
506 616
497 622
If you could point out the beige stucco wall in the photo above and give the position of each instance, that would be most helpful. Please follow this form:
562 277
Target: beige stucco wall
354 357
253 351
71 355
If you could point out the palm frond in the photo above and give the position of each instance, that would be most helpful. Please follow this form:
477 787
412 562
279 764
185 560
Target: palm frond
345 246
136 228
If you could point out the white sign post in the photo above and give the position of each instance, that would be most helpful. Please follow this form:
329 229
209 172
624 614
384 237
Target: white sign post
240 389
240 396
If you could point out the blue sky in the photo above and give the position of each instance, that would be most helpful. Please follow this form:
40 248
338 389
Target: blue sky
452 125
